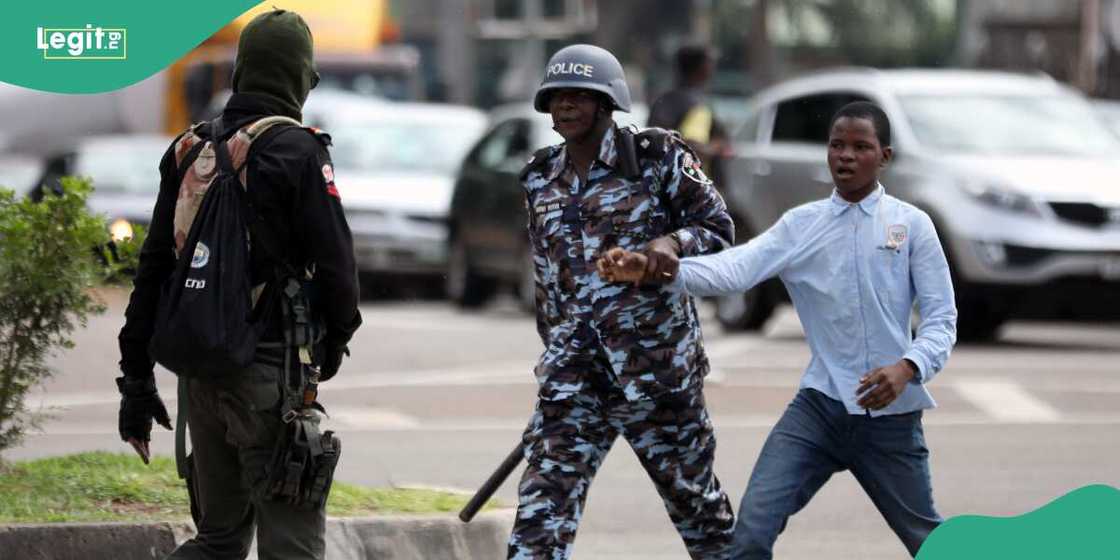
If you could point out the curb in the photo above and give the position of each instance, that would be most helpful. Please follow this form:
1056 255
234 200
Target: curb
351 538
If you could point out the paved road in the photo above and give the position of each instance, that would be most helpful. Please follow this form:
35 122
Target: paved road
436 397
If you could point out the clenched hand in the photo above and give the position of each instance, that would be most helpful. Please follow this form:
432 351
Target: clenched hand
881 386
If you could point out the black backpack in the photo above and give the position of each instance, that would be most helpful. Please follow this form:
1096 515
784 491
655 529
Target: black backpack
209 323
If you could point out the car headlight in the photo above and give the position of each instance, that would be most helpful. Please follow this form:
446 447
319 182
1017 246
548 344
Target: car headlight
120 230
1003 199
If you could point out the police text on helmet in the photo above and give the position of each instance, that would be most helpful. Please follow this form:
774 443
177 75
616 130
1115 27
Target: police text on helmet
585 70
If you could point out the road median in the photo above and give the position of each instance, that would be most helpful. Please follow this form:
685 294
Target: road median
385 537
110 506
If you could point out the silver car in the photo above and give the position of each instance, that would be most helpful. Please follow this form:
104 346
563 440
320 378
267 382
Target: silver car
395 166
1019 176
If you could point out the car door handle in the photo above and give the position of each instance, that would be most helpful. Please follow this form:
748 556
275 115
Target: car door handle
761 168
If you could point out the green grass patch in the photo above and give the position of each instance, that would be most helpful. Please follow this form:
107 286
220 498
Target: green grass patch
103 486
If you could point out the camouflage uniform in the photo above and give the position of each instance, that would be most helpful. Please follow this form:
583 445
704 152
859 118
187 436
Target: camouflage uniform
618 359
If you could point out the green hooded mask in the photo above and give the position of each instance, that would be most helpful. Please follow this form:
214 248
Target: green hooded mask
274 58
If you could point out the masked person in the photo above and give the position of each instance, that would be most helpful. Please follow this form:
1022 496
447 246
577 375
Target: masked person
618 360
235 421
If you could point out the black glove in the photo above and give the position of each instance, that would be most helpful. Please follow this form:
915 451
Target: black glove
332 360
140 405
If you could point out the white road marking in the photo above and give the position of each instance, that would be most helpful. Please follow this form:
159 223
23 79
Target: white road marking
1006 401
346 417
730 350
513 372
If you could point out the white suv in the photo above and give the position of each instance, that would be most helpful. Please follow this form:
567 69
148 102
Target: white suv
1018 174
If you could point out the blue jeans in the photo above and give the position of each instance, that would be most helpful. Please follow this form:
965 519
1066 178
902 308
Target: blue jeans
817 437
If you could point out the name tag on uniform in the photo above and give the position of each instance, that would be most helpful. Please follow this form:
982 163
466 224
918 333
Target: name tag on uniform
546 208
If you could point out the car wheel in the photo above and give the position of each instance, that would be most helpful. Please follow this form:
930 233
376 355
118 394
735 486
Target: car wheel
463 286
373 287
977 321
746 311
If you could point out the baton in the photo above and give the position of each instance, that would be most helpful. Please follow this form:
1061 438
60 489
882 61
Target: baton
491 485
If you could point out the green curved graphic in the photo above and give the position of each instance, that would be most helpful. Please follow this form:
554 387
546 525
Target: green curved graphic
149 37
1082 525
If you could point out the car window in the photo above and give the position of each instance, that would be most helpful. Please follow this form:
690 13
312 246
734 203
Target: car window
502 143
1008 125
805 119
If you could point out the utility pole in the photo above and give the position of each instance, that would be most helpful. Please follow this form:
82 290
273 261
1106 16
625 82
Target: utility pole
1089 54
760 52
701 21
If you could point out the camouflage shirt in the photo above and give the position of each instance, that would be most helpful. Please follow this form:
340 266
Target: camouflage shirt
650 336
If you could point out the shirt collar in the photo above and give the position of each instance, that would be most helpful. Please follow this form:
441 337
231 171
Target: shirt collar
868 204
608 155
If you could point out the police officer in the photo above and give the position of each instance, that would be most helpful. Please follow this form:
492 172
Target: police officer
234 423
618 359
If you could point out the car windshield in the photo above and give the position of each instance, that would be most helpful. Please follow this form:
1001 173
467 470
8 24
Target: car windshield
403 146
129 168
1008 125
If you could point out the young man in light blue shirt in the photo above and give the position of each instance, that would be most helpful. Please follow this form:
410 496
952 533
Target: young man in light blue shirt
854 265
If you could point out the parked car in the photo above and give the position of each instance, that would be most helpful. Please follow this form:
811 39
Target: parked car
125 173
18 173
1019 176
395 166
488 243
1108 111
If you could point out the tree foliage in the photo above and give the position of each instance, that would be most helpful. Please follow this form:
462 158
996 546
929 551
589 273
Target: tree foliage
51 254
876 33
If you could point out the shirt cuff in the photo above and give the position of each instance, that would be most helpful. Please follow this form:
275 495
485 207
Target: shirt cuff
677 285
920 362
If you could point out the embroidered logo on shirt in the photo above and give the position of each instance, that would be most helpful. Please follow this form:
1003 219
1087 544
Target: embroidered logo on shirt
896 236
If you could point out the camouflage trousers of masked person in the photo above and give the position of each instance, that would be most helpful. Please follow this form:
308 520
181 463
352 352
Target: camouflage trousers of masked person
568 439
234 425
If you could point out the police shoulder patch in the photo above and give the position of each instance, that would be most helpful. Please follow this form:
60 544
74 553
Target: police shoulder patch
691 166
328 180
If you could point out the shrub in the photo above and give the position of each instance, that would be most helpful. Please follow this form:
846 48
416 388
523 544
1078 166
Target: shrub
48 263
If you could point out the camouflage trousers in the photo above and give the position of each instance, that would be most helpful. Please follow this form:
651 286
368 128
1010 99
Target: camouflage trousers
568 439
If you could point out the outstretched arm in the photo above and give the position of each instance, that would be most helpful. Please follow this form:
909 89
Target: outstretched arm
734 270
740 268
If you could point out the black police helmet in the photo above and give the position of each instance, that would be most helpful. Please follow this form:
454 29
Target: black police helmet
584 67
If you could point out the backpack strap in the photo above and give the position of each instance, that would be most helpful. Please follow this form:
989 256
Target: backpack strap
193 135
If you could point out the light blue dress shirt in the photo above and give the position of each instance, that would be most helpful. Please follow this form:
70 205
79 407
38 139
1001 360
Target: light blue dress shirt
854 272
